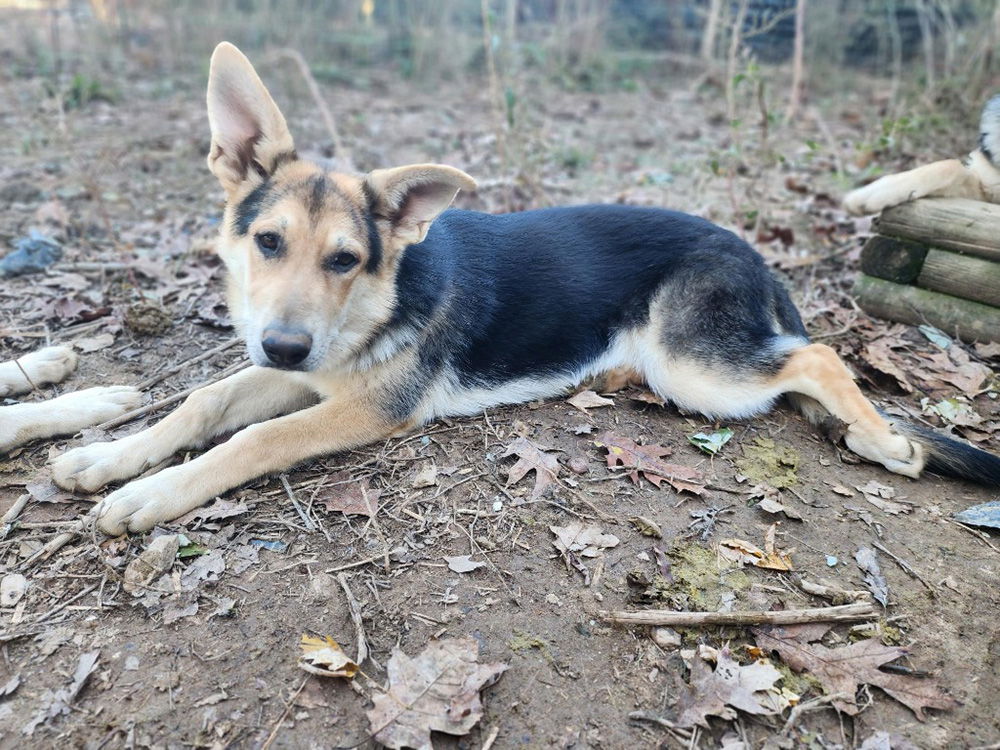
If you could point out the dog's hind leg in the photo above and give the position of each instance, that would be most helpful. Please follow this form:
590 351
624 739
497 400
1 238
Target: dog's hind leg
65 415
252 395
49 365
816 372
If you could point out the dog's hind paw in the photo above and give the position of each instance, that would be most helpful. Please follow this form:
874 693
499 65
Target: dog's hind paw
49 365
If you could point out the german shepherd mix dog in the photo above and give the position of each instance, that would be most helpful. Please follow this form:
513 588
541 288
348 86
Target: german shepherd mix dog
976 177
64 415
363 293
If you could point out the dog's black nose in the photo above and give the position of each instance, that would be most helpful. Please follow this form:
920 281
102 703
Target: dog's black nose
286 348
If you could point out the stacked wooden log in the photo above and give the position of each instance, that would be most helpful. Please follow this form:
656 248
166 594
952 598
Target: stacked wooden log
936 261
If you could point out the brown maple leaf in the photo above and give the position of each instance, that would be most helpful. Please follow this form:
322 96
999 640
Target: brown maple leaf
438 690
843 670
352 497
531 456
647 460
729 686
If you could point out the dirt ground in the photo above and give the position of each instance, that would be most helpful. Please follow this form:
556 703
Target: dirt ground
211 659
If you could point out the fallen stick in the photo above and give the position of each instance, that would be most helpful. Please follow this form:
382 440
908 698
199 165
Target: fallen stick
845 613
187 363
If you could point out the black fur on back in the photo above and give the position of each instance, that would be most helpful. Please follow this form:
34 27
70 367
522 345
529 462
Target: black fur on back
536 293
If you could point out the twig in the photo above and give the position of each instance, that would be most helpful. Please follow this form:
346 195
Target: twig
149 382
359 627
346 163
25 374
14 511
157 405
981 536
811 705
844 613
284 715
494 733
306 521
907 568
832 593
661 721
357 564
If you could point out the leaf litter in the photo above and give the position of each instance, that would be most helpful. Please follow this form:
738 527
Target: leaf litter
647 460
843 670
532 457
437 690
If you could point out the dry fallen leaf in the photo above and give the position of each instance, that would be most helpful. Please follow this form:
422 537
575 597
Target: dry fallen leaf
324 657
868 562
881 495
94 343
577 541
438 690
647 460
586 541
743 552
463 563
531 456
843 670
729 686
56 703
588 400
352 497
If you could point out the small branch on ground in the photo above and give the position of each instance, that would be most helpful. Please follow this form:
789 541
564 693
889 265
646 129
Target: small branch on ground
845 613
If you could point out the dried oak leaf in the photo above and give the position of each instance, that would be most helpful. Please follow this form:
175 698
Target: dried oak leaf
746 553
843 670
352 497
531 456
729 686
436 691
588 400
868 562
324 657
586 541
647 460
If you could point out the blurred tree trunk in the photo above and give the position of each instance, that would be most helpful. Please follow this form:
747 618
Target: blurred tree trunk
711 31
795 97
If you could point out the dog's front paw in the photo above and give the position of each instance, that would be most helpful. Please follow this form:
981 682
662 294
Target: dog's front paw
140 505
91 467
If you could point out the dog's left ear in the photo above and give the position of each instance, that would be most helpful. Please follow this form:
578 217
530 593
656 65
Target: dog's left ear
410 198
249 134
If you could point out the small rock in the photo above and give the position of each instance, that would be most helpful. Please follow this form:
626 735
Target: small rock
322 586
12 588
426 477
31 254
666 638
155 560
578 465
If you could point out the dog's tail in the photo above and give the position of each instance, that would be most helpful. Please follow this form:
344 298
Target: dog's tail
945 455
951 457
989 131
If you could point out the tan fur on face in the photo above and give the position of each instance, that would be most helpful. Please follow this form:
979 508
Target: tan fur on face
339 310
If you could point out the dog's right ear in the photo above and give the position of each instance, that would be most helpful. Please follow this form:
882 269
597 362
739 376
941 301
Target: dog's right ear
249 135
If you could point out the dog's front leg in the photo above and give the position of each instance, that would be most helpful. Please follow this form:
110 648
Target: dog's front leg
942 179
341 423
252 395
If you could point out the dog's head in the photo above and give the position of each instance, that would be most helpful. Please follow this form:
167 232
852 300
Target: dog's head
312 255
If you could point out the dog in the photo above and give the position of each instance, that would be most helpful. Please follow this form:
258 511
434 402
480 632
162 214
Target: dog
976 177
369 309
64 415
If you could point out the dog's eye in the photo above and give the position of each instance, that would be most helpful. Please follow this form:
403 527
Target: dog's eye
341 262
269 244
